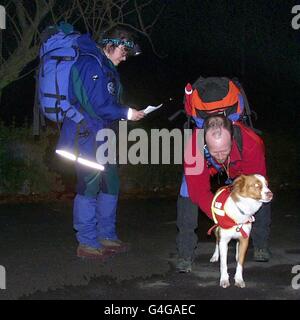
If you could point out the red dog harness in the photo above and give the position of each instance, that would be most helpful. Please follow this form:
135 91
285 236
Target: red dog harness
220 217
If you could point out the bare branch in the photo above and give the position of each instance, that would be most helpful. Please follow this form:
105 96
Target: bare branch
69 13
20 10
103 21
26 74
17 31
24 16
83 15
139 14
147 36
141 6
26 19
151 26
94 19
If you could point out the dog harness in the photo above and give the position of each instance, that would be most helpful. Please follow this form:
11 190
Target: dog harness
221 219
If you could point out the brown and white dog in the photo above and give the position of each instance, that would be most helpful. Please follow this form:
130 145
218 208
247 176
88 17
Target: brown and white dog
233 208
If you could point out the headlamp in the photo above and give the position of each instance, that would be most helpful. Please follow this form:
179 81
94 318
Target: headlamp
133 48
118 42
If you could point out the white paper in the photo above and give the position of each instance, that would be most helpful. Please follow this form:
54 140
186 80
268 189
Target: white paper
150 109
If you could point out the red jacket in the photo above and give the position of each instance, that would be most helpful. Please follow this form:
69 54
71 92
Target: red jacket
252 160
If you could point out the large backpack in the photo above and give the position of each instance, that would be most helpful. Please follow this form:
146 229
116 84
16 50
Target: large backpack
58 52
219 95
212 96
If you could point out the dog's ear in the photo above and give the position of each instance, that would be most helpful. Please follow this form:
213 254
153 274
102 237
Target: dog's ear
239 183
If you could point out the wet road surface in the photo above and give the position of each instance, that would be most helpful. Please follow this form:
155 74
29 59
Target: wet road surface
38 249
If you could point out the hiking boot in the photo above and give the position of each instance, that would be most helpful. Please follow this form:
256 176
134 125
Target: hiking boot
115 246
184 265
261 255
84 251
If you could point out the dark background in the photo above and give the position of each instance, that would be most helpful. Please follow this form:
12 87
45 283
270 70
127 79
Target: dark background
250 39
253 40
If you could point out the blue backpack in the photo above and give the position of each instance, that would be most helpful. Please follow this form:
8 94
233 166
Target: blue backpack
58 52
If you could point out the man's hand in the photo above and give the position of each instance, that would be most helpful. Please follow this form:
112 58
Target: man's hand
136 115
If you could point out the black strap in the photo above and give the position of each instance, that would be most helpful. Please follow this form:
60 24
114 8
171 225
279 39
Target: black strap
36 107
58 109
76 142
71 34
62 58
52 110
57 104
248 112
56 96
237 135
58 99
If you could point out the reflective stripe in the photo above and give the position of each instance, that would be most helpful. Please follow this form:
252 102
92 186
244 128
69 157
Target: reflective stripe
84 162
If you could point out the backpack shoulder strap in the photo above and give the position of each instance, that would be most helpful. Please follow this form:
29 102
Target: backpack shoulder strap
92 55
237 136
245 100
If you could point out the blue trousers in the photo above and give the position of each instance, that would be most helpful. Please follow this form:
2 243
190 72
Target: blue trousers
95 205
94 219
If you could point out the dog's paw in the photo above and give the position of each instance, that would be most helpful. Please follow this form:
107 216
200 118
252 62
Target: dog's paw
240 283
224 283
214 258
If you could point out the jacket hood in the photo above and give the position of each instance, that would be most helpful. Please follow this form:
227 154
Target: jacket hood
88 45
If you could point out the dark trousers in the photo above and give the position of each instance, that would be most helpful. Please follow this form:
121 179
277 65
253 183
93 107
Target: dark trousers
187 222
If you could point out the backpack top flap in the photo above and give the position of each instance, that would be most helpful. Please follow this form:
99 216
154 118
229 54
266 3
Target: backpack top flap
212 96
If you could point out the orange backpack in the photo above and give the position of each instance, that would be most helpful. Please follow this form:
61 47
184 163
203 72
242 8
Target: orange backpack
212 96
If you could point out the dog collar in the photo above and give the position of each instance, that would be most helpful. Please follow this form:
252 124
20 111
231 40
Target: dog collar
241 211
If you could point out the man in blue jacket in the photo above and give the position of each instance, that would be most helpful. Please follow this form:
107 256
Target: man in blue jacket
95 90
